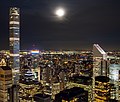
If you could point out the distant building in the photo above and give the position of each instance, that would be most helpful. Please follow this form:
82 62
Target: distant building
114 75
102 89
5 82
14 30
46 74
55 89
62 79
27 86
74 94
42 98
81 80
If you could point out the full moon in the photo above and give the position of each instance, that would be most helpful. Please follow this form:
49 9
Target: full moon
60 12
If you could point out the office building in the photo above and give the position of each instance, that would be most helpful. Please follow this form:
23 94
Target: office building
84 82
102 89
14 30
27 87
99 61
11 90
100 65
5 81
114 75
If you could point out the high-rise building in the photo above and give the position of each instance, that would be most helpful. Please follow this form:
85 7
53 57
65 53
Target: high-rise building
114 75
102 89
27 87
5 81
84 82
100 67
14 30
99 61
11 93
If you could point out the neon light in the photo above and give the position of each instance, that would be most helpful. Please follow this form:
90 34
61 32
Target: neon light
35 51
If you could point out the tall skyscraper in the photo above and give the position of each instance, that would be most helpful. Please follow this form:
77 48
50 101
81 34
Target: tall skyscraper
14 30
99 61
114 75
100 67
14 26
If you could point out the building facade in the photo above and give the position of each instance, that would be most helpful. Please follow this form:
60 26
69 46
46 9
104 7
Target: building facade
5 82
100 65
14 44
102 89
114 75
14 30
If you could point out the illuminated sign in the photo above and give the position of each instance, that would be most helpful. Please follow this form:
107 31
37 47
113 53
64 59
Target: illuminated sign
35 51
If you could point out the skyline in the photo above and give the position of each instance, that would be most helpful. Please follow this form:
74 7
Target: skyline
85 23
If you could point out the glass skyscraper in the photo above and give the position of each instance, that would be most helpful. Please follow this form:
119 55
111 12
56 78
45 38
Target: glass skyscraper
14 30
14 26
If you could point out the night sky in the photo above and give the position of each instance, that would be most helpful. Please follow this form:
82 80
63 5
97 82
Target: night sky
86 22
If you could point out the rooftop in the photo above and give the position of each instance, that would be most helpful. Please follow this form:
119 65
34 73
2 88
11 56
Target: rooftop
39 95
102 78
70 93
5 67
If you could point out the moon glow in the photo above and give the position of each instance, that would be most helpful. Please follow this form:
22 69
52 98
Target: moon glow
60 12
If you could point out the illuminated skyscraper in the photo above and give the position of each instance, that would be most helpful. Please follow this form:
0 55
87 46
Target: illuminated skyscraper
14 26
100 61
102 89
114 75
100 67
5 81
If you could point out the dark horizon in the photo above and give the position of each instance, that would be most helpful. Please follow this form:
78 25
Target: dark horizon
85 23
